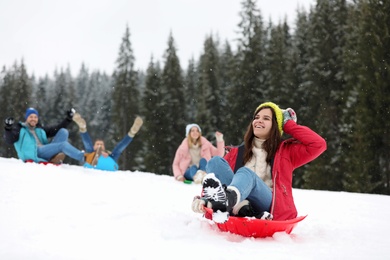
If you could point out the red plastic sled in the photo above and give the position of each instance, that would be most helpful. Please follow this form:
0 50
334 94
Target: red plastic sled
44 163
251 227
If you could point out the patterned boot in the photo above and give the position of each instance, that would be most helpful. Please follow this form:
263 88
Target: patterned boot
219 199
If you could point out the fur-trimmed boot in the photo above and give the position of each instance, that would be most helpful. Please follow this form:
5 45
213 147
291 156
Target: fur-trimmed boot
58 158
198 177
80 122
136 126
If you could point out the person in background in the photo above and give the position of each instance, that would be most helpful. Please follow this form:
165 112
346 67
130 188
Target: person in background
193 154
97 149
31 139
258 174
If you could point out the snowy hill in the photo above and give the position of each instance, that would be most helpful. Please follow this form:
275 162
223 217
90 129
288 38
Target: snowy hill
69 212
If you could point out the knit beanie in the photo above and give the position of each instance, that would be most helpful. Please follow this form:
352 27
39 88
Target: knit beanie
189 126
278 112
30 111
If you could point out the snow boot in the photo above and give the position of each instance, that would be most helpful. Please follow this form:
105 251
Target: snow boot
245 209
220 199
136 126
58 158
198 177
80 122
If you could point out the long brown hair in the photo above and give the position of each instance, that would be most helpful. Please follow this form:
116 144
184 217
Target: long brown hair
192 142
270 145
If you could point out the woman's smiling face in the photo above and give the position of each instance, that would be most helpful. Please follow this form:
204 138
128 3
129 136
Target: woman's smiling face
194 133
262 123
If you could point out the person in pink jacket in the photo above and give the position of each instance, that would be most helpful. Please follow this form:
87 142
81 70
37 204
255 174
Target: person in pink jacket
193 154
258 174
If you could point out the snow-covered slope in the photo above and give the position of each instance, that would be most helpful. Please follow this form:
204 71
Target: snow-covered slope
69 212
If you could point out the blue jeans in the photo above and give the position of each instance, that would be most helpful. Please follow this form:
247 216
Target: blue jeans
250 186
119 148
191 171
60 144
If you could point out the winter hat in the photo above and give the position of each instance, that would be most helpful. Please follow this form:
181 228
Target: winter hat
189 126
30 111
278 113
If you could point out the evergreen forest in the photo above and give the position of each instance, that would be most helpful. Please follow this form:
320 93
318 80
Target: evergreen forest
331 66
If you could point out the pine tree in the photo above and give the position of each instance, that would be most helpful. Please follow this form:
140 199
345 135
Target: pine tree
83 93
21 90
41 97
125 101
300 78
325 88
192 97
94 106
247 92
7 109
356 180
40 94
172 105
60 98
227 69
299 67
153 121
15 92
99 108
278 84
209 90
371 142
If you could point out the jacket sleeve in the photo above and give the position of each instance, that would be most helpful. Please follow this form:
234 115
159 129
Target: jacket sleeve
11 135
176 162
52 130
215 151
307 145
220 150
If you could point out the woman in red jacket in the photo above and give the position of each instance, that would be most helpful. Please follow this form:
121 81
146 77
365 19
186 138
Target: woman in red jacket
258 174
193 153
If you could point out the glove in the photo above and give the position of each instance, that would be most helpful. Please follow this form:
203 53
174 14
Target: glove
70 113
198 204
9 121
289 114
219 136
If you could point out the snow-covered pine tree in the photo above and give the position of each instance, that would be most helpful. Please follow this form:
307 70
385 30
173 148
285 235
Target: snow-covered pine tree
209 92
153 121
171 105
125 98
247 91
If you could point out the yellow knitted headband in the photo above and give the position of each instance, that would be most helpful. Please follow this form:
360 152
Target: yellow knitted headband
278 112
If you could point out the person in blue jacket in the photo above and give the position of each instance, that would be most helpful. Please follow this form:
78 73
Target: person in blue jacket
31 139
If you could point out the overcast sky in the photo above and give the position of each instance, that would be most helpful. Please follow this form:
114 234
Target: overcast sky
55 34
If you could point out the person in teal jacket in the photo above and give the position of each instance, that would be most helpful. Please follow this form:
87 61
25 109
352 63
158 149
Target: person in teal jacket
31 139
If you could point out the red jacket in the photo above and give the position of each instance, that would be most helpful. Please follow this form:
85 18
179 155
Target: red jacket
304 146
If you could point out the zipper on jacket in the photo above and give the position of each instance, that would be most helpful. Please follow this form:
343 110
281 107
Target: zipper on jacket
274 179
273 194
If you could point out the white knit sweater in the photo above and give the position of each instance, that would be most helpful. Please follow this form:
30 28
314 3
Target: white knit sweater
258 162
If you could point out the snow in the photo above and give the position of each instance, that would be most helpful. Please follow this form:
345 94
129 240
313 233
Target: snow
70 212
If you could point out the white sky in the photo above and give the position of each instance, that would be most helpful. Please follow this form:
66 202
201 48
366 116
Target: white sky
50 34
